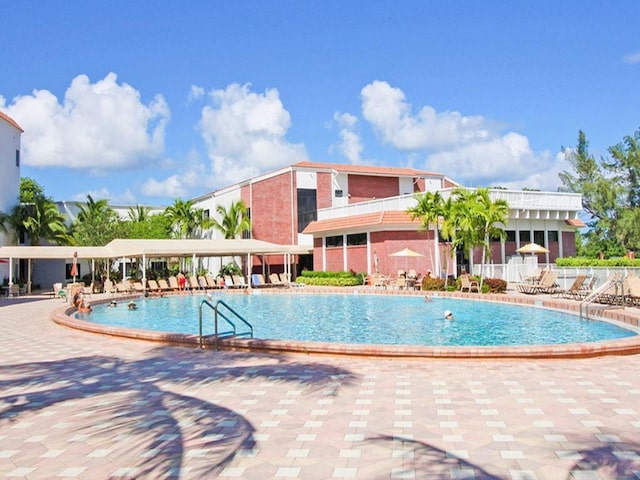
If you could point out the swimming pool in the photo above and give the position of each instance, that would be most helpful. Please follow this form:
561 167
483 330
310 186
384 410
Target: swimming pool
367 319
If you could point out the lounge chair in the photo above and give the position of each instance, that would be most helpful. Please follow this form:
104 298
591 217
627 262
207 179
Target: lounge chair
228 282
173 283
238 280
137 287
632 291
193 283
469 285
257 280
547 284
164 286
211 282
88 291
573 291
153 286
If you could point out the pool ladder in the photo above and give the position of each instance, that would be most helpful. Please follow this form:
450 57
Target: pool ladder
224 313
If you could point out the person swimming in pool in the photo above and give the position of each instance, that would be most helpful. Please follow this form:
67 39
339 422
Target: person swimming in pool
448 315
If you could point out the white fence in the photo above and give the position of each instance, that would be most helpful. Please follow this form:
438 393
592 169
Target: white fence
514 273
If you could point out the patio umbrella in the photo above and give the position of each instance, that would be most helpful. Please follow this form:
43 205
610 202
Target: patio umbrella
406 252
532 248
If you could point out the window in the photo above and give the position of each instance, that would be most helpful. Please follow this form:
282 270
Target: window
525 236
357 239
206 213
307 207
511 236
553 235
17 158
335 241
538 237
338 193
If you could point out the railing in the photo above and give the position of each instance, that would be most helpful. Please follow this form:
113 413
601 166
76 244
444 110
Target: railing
615 283
216 333
517 200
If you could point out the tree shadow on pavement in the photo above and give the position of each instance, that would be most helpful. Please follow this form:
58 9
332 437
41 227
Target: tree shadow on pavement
127 406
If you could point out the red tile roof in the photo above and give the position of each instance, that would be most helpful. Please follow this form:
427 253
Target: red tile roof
365 169
364 220
11 121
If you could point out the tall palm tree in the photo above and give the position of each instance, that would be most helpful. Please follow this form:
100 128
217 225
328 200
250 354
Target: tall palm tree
430 210
234 220
492 217
182 218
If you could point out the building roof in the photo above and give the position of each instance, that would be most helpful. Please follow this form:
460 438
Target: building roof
156 249
575 222
366 170
376 219
11 121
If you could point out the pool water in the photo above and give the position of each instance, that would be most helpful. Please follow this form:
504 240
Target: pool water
366 319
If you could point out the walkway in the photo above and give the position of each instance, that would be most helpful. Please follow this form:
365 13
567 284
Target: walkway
80 405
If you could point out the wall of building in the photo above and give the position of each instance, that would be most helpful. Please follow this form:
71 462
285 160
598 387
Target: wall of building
367 187
9 180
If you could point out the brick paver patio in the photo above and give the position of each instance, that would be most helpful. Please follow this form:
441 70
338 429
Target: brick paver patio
80 405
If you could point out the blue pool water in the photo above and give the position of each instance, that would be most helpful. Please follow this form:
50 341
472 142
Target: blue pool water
366 319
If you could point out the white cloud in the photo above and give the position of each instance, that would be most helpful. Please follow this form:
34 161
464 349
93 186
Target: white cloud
391 116
98 126
470 149
632 58
125 198
245 133
192 176
350 144
195 92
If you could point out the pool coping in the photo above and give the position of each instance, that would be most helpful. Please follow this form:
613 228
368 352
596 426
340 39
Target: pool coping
623 315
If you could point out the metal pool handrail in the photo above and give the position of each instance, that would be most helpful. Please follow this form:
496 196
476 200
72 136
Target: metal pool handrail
217 335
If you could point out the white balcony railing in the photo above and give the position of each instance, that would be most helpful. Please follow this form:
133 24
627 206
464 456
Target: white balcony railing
518 200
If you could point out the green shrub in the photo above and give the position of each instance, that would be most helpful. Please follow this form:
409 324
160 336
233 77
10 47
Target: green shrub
332 279
594 262
230 269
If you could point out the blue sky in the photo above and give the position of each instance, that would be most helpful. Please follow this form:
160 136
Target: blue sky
144 102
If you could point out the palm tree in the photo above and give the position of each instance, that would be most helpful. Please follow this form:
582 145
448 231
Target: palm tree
139 213
430 210
96 223
181 217
45 223
492 216
235 221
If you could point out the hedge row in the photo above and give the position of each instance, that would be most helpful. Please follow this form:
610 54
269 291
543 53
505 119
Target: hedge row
592 262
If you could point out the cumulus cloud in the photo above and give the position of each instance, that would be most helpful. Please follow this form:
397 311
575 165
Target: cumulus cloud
350 144
192 176
632 58
471 149
391 116
245 133
97 126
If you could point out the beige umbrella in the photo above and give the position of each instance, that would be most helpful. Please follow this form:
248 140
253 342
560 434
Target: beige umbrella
532 248
406 252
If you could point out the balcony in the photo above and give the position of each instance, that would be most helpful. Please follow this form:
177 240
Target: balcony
527 204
